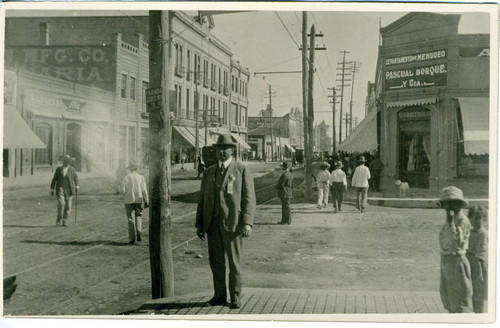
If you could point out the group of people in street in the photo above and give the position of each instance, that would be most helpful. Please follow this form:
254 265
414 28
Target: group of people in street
336 182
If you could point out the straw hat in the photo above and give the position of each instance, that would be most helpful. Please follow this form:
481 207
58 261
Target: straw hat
453 194
132 165
284 165
338 164
324 165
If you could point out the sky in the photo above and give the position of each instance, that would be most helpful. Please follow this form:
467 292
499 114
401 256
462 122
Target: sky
269 40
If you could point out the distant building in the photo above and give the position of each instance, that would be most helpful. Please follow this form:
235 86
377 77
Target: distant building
285 131
322 142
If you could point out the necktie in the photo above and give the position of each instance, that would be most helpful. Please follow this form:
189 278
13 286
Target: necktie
222 169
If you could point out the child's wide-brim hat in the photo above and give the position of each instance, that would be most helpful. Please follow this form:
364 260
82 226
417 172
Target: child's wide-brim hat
338 164
325 165
451 193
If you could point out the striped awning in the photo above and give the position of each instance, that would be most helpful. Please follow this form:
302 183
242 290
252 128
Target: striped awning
241 141
411 102
476 120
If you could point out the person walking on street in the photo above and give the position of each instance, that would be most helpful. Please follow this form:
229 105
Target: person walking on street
64 184
322 182
284 187
360 182
376 167
225 212
338 183
477 254
456 284
133 185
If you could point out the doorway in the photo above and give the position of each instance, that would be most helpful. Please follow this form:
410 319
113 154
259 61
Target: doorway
74 144
414 146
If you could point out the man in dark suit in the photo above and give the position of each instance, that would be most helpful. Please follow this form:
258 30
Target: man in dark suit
284 187
65 185
226 210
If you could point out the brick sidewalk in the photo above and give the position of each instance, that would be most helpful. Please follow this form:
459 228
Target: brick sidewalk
300 301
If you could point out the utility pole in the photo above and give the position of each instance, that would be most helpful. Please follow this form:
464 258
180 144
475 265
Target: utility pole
196 118
334 99
342 85
310 103
355 69
160 132
307 150
272 123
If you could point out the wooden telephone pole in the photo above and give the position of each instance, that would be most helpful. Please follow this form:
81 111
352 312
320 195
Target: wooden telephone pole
334 99
307 151
310 105
160 137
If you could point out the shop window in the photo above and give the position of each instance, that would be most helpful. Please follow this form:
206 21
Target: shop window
145 86
44 132
188 109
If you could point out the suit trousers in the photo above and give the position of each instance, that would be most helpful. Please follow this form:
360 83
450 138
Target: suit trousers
456 284
134 217
220 244
286 213
63 205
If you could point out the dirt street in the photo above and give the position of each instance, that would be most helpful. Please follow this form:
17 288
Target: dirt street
88 269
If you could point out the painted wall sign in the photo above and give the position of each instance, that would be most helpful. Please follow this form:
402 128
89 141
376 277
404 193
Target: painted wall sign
473 52
88 65
73 105
416 58
416 77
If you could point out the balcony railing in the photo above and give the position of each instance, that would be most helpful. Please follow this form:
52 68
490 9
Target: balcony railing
179 71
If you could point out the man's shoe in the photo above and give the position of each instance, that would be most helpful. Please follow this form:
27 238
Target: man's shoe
139 237
65 224
319 206
214 301
235 304
58 223
132 242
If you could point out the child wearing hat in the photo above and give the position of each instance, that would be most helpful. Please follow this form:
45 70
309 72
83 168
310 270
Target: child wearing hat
477 254
338 183
323 187
456 285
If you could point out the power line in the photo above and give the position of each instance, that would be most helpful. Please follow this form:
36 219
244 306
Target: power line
274 65
286 28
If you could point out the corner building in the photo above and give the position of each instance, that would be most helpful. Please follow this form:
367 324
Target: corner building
432 88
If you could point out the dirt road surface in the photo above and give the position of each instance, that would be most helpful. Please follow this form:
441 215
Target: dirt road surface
88 269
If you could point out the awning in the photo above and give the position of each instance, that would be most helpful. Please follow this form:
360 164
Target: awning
364 137
189 134
241 141
476 122
16 133
411 102
286 142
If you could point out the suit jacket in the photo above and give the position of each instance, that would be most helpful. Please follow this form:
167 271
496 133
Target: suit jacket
285 185
236 208
134 187
57 180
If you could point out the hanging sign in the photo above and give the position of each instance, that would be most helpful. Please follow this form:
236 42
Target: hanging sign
153 99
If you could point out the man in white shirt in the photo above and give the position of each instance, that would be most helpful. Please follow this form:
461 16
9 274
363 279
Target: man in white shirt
338 183
360 182
323 187
133 185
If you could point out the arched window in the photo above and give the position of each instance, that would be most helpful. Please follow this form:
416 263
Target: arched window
44 132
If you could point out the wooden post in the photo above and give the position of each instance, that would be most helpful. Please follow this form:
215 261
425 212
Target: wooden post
307 150
310 106
160 132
